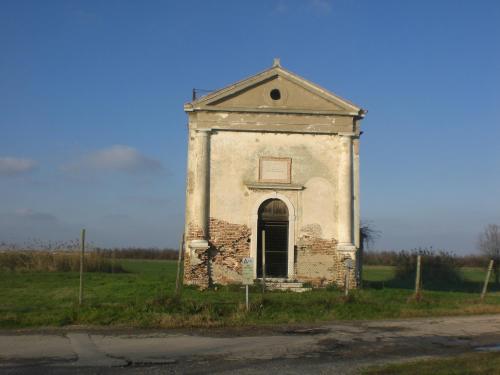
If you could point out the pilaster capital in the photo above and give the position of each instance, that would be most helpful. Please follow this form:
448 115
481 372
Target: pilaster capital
347 135
203 132
199 245
196 248
346 247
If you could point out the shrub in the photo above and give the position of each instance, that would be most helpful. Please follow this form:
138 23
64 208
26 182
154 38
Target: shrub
390 258
438 268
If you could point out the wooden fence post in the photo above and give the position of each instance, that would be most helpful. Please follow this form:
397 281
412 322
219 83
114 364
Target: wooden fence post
486 280
82 256
179 264
418 280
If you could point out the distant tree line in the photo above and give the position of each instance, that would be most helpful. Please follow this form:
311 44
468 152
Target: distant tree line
394 258
55 261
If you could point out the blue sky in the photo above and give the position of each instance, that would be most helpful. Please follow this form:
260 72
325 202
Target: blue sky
93 133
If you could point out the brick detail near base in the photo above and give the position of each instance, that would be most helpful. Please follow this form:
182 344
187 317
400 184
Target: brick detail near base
319 263
221 263
317 260
230 243
195 270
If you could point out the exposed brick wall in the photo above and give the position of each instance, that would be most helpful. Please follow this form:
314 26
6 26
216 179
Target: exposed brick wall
194 232
315 260
340 269
221 263
318 261
230 243
195 270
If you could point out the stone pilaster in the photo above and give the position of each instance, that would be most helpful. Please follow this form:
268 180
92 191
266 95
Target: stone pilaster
356 226
357 217
201 193
203 179
345 190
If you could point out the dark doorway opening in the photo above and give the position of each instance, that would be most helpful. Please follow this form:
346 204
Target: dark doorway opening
273 219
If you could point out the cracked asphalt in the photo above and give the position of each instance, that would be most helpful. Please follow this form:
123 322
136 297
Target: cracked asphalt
340 348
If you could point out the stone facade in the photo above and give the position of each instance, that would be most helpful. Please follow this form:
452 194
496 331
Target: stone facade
273 136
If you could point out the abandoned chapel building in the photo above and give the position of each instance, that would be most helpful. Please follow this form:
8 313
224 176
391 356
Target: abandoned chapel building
272 156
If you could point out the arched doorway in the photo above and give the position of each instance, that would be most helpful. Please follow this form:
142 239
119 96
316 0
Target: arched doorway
273 219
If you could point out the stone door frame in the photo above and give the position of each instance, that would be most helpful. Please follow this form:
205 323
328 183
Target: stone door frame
291 231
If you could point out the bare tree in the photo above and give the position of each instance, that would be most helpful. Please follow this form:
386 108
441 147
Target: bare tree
367 236
489 245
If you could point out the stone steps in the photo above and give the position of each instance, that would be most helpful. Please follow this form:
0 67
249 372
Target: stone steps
284 285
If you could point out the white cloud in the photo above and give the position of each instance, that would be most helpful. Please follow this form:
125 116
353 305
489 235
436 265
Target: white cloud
15 166
115 158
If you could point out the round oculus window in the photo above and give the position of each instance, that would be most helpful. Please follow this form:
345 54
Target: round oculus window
275 94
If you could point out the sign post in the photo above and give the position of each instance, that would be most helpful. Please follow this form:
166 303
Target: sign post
247 267
348 267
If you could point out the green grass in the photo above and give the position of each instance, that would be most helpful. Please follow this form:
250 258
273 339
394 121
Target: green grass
386 273
378 273
383 277
474 363
144 297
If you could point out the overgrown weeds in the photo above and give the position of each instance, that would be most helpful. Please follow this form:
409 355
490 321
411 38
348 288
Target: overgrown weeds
48 261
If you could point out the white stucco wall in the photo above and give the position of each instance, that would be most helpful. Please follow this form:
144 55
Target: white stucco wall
234 162
229 131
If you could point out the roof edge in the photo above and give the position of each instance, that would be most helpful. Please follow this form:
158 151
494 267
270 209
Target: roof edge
276 69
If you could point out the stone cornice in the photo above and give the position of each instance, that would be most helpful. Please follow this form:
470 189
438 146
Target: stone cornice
270 186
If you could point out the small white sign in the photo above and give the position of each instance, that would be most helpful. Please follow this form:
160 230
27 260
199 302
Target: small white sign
247 272
349 263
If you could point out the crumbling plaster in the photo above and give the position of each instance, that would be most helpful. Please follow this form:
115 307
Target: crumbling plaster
229 131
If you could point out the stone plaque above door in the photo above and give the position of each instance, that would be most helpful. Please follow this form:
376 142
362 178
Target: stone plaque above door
277 170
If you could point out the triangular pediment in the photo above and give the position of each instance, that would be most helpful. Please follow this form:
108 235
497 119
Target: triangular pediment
275 90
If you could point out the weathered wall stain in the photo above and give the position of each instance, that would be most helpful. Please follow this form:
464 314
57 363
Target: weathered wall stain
274 114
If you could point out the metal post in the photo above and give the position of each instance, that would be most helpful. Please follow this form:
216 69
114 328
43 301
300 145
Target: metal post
486 280
418 276
246 296
263 261
82 255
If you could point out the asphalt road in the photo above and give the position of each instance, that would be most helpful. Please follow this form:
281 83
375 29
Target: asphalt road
330 348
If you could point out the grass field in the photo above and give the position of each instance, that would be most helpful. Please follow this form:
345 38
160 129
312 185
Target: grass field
143 297
386 273
474 363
